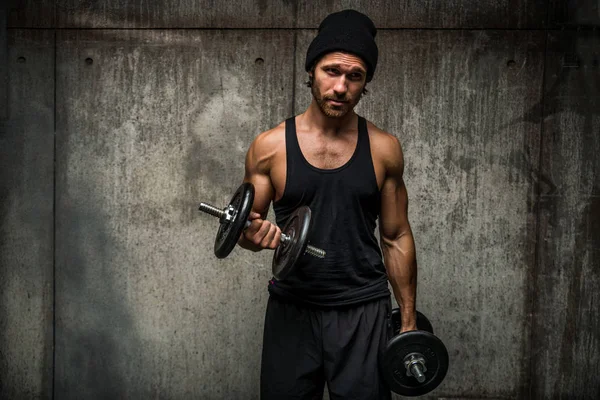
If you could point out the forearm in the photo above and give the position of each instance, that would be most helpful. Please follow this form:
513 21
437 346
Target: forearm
401 264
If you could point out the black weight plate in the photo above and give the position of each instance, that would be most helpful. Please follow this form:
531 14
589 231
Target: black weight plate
436 362
286 255
229 232
423 323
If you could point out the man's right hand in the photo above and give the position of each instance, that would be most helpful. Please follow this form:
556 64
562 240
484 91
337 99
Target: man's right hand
261 233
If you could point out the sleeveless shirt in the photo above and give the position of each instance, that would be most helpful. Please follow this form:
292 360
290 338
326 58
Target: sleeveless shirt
345 204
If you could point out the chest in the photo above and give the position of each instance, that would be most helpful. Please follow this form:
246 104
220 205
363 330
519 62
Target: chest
327 153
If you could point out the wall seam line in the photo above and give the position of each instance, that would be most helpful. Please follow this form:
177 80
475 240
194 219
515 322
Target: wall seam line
538 242
54 228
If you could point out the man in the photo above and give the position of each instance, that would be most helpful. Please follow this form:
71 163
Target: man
329 321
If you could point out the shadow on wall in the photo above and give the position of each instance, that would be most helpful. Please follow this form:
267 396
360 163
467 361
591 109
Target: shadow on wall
25 260
95 333
577 201
579 351
26 215
568 206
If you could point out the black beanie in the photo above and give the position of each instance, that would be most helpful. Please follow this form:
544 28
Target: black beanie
348 31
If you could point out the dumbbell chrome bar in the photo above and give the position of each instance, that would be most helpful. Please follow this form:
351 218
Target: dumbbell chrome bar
228 214
415 366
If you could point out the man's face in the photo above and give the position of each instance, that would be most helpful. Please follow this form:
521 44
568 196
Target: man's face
338 83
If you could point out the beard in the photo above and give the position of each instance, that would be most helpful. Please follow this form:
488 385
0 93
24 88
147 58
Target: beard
327 108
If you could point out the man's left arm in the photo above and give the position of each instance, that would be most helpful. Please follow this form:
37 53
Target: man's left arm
397 241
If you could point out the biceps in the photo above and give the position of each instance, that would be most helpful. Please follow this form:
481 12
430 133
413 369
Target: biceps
263 189
263 192
393 222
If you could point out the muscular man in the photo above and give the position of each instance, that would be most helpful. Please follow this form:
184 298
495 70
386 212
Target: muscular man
329 320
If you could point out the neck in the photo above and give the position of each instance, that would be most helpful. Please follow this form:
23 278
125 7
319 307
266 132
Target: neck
314 120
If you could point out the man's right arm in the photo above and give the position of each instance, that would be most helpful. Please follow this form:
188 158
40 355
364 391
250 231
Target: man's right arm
261 234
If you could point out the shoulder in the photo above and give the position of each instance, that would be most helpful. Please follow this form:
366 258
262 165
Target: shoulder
385 148
270 139
266 146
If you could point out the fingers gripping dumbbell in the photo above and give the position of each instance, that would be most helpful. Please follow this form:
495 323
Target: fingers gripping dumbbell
414 362
234 219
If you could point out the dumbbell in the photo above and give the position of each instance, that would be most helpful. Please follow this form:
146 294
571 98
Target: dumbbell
234 219
414 362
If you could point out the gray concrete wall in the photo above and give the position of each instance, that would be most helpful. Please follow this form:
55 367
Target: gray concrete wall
155 122
285 14
109 287
565 302
26 218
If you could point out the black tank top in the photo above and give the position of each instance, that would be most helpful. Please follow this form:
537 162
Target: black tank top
345 204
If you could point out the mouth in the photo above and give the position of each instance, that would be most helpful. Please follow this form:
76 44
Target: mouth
336 102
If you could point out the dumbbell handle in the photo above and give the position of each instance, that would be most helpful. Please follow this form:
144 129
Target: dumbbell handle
415 370
222 214
415 366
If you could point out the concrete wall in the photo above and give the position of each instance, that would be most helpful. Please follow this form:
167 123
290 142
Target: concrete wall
119 121
27 218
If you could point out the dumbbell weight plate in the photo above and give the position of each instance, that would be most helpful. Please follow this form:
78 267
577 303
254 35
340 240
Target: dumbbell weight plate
287 254
394 370
422 322
230 231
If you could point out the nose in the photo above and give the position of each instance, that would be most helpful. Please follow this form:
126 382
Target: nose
340 88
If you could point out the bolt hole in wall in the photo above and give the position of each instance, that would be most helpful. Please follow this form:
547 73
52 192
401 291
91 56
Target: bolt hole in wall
511 63
89 61
21 60
259 61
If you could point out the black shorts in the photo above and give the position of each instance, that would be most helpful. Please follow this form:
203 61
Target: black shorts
304 347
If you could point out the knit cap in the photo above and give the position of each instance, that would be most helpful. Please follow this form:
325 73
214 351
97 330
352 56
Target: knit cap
348 31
